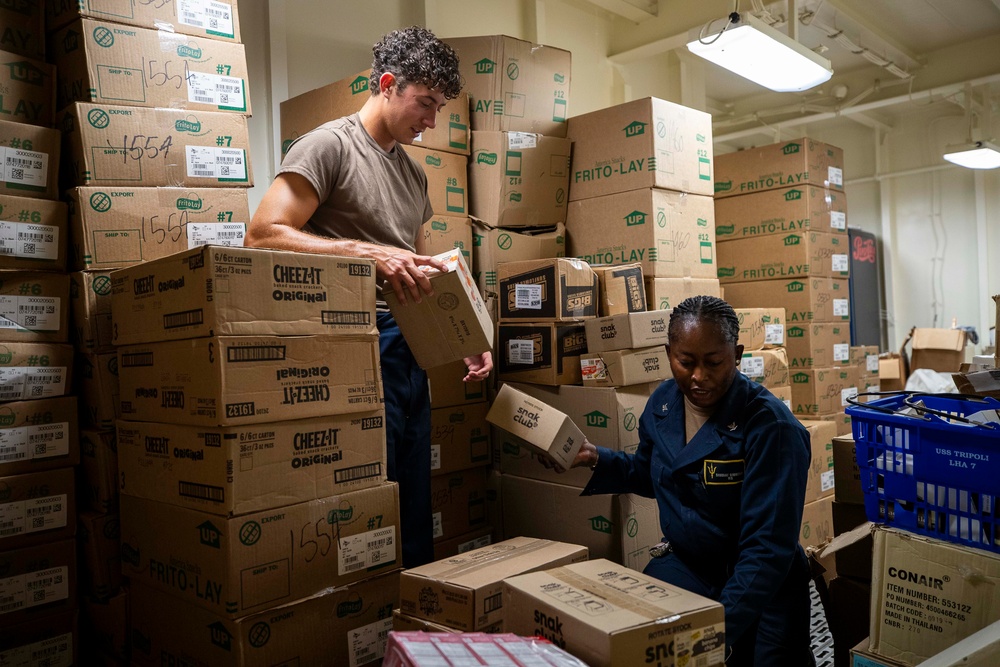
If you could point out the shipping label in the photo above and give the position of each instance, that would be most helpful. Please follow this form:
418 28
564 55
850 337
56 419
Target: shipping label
367 643
223 164
33 588
366 550
24 168
32 516
224 92
29 240
215 18
34 442
34 313
19 383
52 652
216 233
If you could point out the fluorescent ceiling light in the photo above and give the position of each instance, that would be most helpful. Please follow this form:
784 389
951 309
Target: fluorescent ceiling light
977 155
756 51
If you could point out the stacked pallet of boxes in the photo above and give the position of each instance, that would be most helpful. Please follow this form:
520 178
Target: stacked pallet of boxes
765 359
39 438
251 456
156 160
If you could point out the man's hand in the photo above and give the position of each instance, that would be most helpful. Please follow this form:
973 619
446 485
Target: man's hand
406 272
479 367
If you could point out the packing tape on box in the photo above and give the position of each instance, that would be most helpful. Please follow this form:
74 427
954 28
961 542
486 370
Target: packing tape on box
609 596
500 555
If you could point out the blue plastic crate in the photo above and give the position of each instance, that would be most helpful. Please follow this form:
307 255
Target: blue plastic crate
932 473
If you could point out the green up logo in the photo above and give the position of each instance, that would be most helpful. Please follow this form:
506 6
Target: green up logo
796 286
220 636
340 514
635 218
433 161
209 535
597 419
190 124
485 66
796 332
634 129
723 186
98 118
725 230
477 240
190 52
439 226
6 355
103 37
100 202
789 149
190 203
27 73
350 607
359 85
726 273
793 239
793 195
486 158
600 524
800 378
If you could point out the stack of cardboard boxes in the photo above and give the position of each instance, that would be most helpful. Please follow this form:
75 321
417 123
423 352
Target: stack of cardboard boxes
765 359
39 438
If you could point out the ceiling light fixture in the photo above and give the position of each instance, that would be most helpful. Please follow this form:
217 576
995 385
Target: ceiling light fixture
751 48
977 155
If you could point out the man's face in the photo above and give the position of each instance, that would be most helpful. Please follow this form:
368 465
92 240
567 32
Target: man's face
703 362
412 110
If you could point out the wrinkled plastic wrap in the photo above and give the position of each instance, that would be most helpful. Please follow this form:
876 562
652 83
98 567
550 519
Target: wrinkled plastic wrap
466 649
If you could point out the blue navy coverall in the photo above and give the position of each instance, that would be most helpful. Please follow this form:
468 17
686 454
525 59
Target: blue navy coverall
730 505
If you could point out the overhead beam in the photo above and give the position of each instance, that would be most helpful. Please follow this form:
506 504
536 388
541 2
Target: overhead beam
654 48
877 32
629 11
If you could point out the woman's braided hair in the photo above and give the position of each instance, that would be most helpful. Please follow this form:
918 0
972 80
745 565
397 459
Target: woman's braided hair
705 308
415 55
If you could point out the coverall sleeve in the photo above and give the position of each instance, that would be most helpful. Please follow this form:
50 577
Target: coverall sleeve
619 472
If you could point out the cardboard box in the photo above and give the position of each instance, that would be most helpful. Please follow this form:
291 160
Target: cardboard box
97 383
307 111
475 539
784 393
100 553
518 179
464 592
443 233
35 370
841 419
648 143
862 657
806 300
854 559
795 255
90 307
24 29
217 20
891 372
627 331
233 380
798 162
55 639
845 469
99 466
38 507
611 616
492 246
980 383
34 234
822 477
822 391
459 503
761 328
230 471
817 522
621 368
941 350
39 581
928 594
460 438
448 388
792 210
34 307
665 293
447 179
114 228
547 290
106 625
29 87
550 431
514 85
32 153
542 353
865 359
617 527
353 622
213 290
621 289
671 235
451 325
766 367
106 63
403 623
38 435
819 345
238 566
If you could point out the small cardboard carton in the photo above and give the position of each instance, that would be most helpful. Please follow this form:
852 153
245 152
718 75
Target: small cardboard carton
460 438
34 234
805 300
891 372
307 111
865 359
100 553
862 657
447 179
355 618
761 328
928 594
492 246
819 345
610 616
215 290
38 435
29 87
542 353
35 307
449 389
780 257
514 85
38 507
547 290
99 468
97 383
245 564
665 293
621 368
817 522
233 380
122 226
24 29
216 20
108 63
621 289
39 581
797 163
941 350
550 431
450 325
31 158
475 539
822 391
464 591
517 179
822 476
443 233
459 503
793 210
766 367
670 234
236 470
627 331
648 143
35 370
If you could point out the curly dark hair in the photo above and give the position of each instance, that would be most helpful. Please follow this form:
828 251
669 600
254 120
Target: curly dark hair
415 55
710 308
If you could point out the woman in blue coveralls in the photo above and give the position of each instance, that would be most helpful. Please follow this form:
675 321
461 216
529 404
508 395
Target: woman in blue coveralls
726 462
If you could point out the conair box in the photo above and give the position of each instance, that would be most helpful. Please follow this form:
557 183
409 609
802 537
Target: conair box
542 353
32 155
491 246
793 210
547 290
778 166
541 425
34 234
217 19
214 290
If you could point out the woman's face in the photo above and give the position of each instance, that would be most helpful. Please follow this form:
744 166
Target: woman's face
703 362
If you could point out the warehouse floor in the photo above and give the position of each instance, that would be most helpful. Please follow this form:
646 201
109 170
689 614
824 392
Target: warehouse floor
822 640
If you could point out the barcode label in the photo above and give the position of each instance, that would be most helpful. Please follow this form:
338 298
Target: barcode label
838 220
209 15
826 480
435 457
849 392
438 525
354 473
216 233
19 239
871 363
367 550
26 382
52 652
774 334
34 588
517 140
24 167
528 297
520 352
367 643
839 263
29 313
841 307
841 352
224 164
752 366
835 175
32 516
227 92
34 442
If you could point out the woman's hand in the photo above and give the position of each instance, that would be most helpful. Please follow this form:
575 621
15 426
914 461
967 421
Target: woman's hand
587 456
